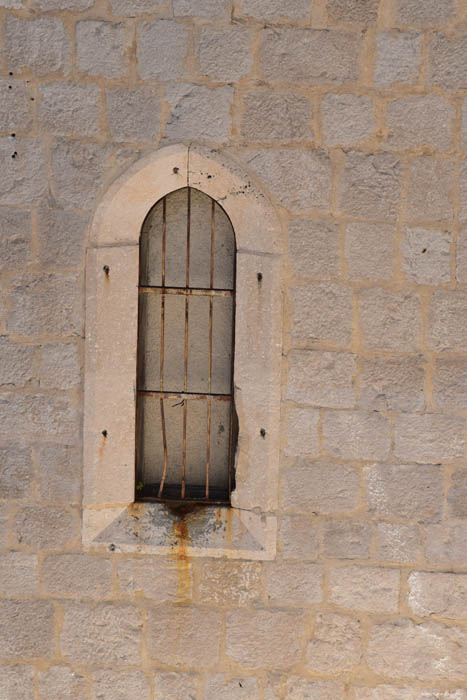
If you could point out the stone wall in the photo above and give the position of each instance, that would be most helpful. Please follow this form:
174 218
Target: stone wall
352 115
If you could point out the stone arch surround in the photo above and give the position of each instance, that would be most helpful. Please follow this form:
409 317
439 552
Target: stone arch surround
110 517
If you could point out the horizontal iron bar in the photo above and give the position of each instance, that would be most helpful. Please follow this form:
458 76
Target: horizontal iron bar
186 395
187 291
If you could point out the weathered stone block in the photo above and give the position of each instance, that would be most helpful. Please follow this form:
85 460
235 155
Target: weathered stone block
101 633
45 303
135 8
427 13
41 44
298 688
27 628
392 384
464 126
416 122
463 191
322 378
439 594
414 492
59 366
309 55
431 438
371 588
64 683
16 472
156 578
15 237
294 583
23 175
59 473
184 636
347 119
175 685
267 116
370 186
67 108
430 189
15 106
264 637
302 432
356 435
77 575
353 11
322 313
447 66
220 688
19 574
299 179
447 321
275 9
397 543
426 256
16 363
121 685
4 509
347 539
369 251
450 383
391 692
319 487
78 171
31 417
335 644
61 236
457 494
314 249
161 49
133 114
52 5
461 256
17 682
203 8
228 582
446 544
101 48
426 651
390 320
46 527
225 54
398 58
298 537
199 112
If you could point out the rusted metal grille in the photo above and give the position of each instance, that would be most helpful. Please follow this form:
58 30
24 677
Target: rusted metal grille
186 421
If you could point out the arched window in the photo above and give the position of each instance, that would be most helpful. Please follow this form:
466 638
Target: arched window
245 527
186 424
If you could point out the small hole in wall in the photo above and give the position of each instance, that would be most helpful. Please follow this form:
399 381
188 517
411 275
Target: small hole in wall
423 250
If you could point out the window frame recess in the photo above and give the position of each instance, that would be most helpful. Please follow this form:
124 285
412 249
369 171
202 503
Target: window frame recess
111 519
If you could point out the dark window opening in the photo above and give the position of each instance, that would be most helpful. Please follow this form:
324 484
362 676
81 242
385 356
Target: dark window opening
185 421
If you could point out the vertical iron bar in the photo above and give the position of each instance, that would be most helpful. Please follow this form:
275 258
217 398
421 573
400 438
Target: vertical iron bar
232 387
164 442
211 266
185 368
211 286
164 232
208 448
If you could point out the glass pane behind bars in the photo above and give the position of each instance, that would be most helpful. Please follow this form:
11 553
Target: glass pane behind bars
185 415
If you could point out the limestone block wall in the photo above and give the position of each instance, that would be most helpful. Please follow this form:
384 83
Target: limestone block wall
352 116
